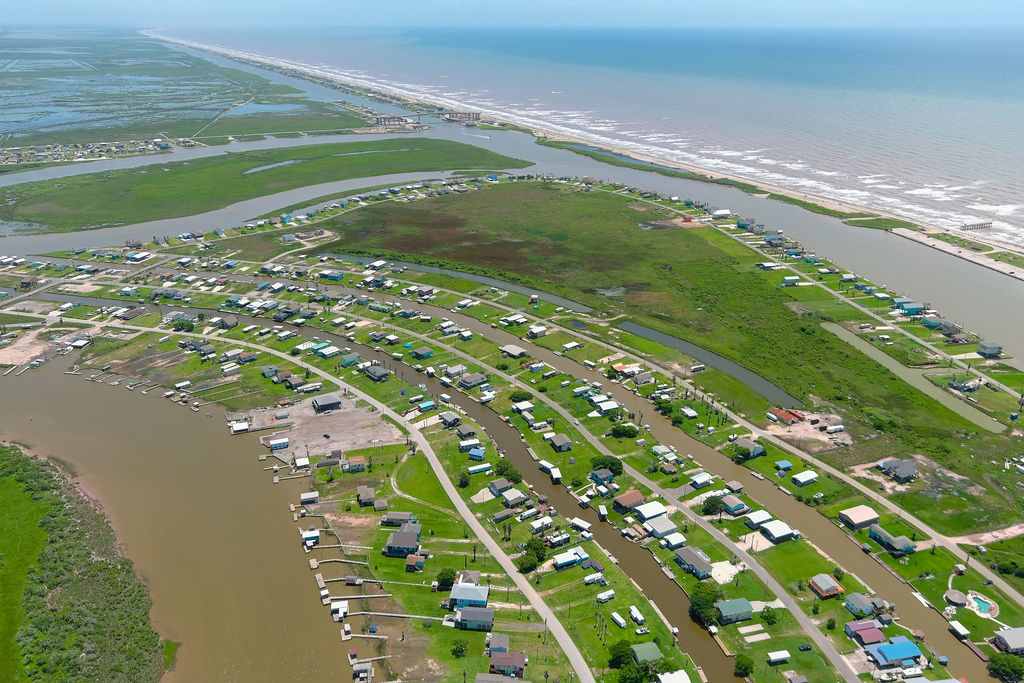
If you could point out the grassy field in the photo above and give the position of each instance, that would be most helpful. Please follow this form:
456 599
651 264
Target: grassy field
961 242
699 285
64 588
185 188
1009 257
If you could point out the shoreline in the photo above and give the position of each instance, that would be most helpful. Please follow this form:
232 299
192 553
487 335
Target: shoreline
542 130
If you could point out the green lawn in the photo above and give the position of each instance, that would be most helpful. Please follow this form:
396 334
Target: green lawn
185 188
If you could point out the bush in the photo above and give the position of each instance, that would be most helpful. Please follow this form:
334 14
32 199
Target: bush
620 654
506 469
769 616
532 556
463 479
838 573
831 624
744 666
702 603
1006 667
459 649
445 579
608 462
712 505
520 395
626 431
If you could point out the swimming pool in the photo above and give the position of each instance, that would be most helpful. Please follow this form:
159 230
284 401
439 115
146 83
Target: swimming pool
982 605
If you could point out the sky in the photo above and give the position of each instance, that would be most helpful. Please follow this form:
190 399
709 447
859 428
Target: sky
597 13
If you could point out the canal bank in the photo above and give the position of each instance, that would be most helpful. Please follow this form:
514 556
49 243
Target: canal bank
194 511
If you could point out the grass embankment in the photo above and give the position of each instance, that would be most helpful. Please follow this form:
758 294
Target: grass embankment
606 157
71 608
704 287
184 188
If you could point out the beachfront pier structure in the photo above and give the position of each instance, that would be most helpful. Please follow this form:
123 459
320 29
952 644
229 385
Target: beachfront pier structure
395 121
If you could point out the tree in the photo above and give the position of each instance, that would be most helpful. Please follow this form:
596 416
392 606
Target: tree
1006 667
620 654
520 395
712 505
532 556
816 607
838 573
184 326
625 431
831 624
446 579
463 479
744 666
608 462
459 649
637 673
769 616
702 603
506 469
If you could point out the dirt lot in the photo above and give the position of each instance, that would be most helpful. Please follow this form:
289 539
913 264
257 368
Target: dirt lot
346 429
807 436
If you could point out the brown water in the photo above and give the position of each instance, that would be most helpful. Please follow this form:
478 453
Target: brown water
207 531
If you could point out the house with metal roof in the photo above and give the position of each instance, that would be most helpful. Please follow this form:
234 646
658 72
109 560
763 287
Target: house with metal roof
645 653
858 517
825 586
899 651
474 618
660 526
732 611
1010 640
695 561
467 595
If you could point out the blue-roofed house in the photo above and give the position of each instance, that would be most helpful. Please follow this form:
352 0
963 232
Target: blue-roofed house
476 453
467 595
783 465
899 651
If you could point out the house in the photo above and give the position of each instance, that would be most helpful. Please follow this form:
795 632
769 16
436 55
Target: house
365 496
471 380
602 477
422 353
783 465
660 527
701 479
499 486
777 531
415 562
378 373
628 500
898 652
897 545
508 664
650 510
322 404
560 443
570 558
1010 640
852 627
494 678
987 349
513 497
674 540
747 449
784 416
402 544
465 431
449 419
349 359
825 586
467 595
860 605
646 653
758 518
497 642
732 611
695 561
357 463
474 618
513 351
397 518
734 486
902 470
734 506
805 478
858 517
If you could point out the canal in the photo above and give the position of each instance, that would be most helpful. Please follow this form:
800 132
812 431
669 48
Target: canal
208 533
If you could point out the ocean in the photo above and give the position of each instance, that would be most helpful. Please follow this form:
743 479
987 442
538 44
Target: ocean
924 125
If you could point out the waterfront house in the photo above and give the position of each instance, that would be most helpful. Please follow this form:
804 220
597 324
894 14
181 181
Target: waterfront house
471 380
467 595
747 449
508 664
477 453
858 517
513 498
777 531
898 652
378 373
897 545
465 431
499 486
732 611
695 561
474 618
660 527
1010 640
570 558
860 605
987 349
402 544
628 500
805 478
422 353
783 465
734 506
603 476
